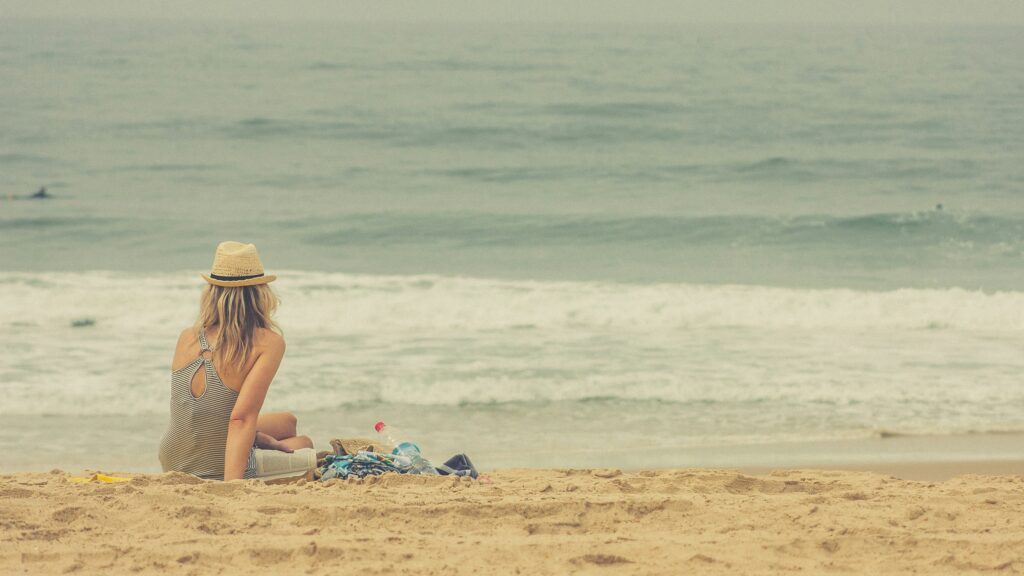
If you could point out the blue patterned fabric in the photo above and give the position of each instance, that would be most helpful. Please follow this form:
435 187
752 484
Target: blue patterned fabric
362 464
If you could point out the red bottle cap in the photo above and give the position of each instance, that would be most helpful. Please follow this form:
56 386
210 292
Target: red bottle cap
378 426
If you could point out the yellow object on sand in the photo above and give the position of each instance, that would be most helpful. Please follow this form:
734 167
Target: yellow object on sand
98 478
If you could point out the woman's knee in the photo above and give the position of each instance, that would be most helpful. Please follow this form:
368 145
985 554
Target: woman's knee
280 425
290 423
291 419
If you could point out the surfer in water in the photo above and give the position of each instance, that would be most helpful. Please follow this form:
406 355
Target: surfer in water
40 194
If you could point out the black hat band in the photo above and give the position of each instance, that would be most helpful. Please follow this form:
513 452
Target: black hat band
234 278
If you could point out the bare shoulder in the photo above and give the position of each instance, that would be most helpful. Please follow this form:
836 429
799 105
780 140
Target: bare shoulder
181 349
267 339
186 338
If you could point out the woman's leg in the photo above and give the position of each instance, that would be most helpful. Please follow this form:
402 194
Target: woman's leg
282 426
297 442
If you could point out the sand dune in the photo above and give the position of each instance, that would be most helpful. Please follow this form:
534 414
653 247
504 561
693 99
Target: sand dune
525 521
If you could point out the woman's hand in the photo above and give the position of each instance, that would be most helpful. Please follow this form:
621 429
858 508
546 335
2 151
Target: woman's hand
268 442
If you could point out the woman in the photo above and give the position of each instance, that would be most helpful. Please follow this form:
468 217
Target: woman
222 368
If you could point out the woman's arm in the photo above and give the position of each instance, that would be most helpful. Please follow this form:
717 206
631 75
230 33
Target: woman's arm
268 442
242 426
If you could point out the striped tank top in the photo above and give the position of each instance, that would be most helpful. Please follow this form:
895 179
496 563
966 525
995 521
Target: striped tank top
198 430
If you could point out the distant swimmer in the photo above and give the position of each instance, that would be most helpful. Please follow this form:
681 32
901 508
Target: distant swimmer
40 194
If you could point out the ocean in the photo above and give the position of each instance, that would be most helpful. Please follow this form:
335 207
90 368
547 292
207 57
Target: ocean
540 244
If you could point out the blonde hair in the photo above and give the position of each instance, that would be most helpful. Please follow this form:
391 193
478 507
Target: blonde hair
239 311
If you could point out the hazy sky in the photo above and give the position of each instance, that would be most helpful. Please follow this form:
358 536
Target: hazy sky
968 12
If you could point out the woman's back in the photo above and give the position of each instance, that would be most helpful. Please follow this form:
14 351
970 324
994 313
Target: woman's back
201 405
190 348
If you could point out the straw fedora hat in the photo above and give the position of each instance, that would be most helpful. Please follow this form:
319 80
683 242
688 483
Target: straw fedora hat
237 264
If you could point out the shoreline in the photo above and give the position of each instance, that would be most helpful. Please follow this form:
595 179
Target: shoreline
130 443
915 471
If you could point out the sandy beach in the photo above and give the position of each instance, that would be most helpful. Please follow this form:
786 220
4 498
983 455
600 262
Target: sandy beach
553 521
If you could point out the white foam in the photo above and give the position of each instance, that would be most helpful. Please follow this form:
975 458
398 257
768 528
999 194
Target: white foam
876 358
342 303
337 302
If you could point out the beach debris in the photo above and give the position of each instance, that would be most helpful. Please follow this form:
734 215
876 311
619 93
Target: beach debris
98 477
83 322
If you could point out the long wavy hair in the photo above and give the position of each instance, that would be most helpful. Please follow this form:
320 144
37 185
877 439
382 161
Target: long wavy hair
239 311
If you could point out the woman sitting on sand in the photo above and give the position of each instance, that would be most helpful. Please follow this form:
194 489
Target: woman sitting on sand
222 368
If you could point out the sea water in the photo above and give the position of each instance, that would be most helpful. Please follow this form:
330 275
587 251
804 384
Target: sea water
538 243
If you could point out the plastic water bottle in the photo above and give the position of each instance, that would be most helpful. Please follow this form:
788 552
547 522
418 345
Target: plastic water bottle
390 435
